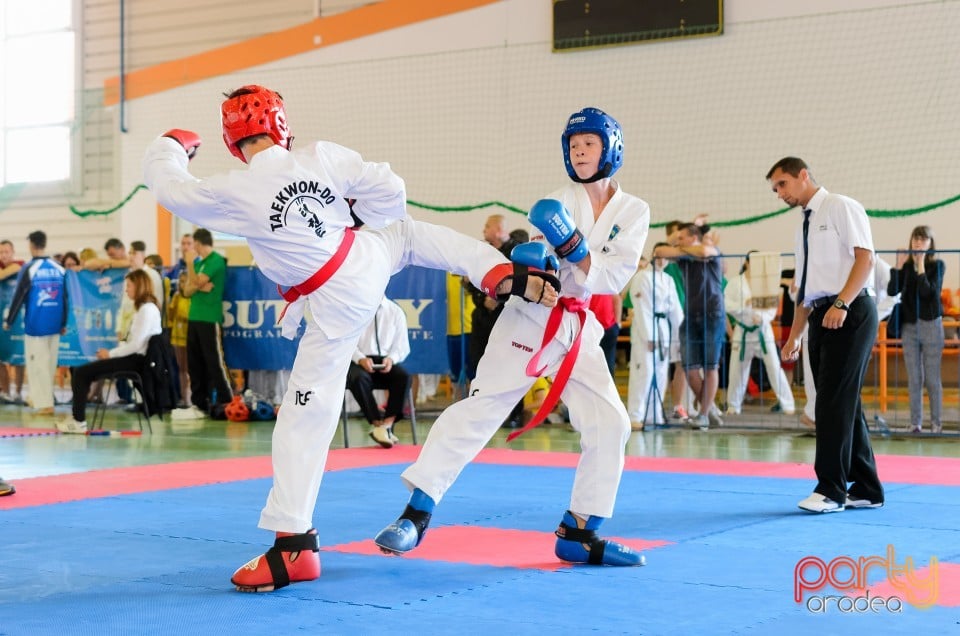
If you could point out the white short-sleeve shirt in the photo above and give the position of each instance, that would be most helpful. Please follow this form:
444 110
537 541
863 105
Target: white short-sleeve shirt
838 224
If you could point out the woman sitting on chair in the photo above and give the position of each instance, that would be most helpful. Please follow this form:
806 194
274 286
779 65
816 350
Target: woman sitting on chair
128 355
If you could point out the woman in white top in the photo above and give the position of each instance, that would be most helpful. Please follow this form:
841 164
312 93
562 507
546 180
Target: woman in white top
128 355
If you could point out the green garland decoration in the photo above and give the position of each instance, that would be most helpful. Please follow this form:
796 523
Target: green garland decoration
85 213
882 214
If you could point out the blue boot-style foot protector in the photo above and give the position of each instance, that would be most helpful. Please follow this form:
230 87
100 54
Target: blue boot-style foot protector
405 533
582 545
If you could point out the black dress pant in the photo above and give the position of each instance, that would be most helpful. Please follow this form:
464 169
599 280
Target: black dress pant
208 371
83 376
362 384
839 360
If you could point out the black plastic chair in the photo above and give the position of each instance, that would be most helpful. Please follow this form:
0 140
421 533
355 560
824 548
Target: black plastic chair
108 381
413 417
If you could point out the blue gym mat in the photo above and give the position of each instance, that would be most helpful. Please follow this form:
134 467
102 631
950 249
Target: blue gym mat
159 562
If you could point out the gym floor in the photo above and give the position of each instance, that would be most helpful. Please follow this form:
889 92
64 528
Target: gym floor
131 534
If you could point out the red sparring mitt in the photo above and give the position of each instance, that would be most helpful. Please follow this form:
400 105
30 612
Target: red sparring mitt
186 138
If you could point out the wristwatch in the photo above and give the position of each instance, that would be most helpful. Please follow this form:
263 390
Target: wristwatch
839 304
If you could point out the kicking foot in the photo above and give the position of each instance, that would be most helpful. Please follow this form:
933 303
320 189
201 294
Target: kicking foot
405 533
293 558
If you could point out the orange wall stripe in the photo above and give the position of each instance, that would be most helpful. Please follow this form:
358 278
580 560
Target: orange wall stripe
164 235
350 25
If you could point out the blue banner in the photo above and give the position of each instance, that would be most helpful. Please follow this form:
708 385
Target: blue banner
11 342
251 335
94 305
94 299
422 294
251 307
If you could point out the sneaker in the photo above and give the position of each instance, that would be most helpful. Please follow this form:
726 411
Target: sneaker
189 413
916 429
679 413
70 425
381 435
778 408
853 502
820 504
714 418
936 429
701 422
393 437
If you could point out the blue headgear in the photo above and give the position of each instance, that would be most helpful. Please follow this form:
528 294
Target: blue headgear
594 120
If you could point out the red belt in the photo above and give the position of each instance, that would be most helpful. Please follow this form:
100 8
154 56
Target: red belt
566 367
322 275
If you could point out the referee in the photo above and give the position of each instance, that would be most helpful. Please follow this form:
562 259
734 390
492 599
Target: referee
834 262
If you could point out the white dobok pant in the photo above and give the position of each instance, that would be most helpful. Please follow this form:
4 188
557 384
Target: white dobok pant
747 346
41 354
596 410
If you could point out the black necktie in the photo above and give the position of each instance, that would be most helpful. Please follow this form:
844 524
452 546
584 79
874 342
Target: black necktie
376 332
806 256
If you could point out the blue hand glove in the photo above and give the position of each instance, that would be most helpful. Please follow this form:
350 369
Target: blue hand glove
534 255
551 218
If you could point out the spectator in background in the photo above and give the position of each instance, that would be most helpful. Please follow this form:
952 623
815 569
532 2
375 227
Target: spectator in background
459 327
919 280
9 269
138 260
704 325
42 291
178 315
375 364
87 254
753 338
116 257
607 308
128 355
186 245
520 235
209 378
654 330
70 260
678 378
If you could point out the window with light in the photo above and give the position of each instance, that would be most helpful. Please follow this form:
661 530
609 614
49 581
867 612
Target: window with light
38 91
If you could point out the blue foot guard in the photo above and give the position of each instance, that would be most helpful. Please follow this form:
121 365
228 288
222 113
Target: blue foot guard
407 531
582 545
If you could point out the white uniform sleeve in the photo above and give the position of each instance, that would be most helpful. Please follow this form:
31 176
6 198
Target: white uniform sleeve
146 323
165 174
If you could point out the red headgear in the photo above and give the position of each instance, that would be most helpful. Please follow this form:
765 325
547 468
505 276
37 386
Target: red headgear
257 111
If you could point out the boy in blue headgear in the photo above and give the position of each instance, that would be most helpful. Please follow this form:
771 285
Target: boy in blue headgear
595 232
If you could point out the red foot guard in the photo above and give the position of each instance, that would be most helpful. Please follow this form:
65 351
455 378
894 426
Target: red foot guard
293 558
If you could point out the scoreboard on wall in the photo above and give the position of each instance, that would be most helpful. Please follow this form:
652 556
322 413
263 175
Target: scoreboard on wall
584 24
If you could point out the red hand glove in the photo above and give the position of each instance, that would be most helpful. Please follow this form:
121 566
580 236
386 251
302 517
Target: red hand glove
186 138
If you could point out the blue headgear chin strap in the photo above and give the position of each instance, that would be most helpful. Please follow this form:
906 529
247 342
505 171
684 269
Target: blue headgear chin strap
594 120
